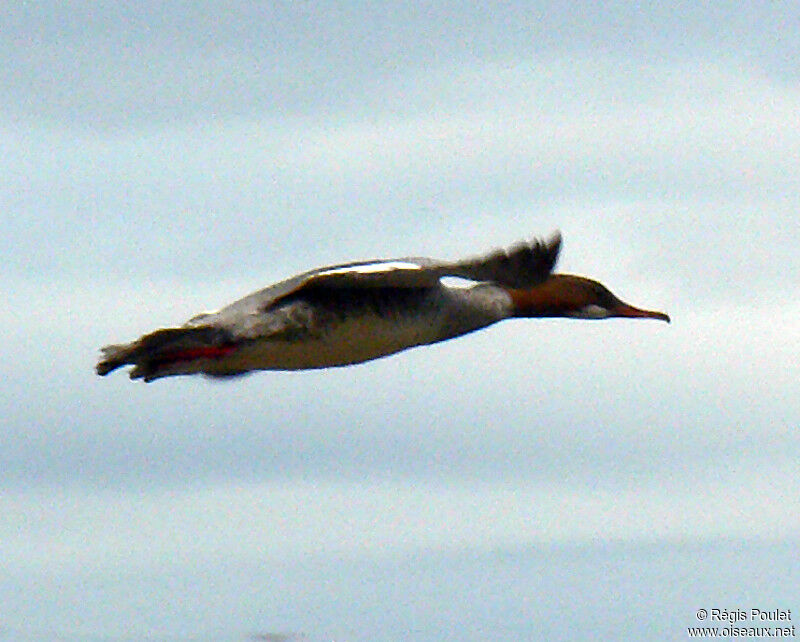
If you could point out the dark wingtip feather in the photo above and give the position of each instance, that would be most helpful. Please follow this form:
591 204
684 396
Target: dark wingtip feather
546 253
522 265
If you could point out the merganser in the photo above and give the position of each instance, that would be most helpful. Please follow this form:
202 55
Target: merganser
355 312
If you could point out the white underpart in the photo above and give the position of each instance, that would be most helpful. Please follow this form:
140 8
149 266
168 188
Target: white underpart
371 268
356 339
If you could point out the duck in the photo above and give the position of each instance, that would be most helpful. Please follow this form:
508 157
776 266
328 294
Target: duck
351 313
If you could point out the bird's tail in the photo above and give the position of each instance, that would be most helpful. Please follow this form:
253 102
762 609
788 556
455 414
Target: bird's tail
169 351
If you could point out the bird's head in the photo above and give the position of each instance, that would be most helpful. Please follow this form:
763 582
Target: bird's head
566 295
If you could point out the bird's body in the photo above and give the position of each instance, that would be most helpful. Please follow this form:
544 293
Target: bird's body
320 329
346 314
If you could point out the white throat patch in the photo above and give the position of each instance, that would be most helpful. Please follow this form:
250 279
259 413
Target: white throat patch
591 311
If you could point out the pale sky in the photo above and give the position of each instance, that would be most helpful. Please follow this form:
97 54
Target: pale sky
160 161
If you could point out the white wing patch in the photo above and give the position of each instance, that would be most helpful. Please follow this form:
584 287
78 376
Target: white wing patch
199 319
372 268
457 282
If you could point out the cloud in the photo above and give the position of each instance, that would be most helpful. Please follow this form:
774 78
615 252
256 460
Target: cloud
64 530
677 166
158 162
127 66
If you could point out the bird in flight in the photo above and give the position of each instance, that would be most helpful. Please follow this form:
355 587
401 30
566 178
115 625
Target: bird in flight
355 312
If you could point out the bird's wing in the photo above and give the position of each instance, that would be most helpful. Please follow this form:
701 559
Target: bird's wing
405 273
522 265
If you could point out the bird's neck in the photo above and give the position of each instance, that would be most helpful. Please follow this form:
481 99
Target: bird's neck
530 303
475 307
548 299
